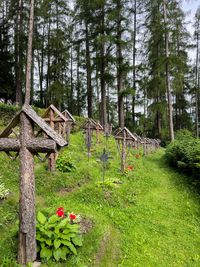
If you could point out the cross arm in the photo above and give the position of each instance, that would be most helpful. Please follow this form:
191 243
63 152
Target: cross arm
41 145
9 144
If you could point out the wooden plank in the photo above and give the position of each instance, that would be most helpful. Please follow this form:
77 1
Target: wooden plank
11 125
57 113
68 116
44 126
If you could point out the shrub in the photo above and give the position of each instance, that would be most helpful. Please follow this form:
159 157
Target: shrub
184 153
64 163
57 236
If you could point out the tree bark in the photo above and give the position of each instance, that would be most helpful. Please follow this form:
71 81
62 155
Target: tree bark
19 29
134 61
120 68
102 73
27 231
168 87
197 82
88 68
29 55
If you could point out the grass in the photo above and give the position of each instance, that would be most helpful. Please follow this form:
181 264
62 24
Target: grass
150 219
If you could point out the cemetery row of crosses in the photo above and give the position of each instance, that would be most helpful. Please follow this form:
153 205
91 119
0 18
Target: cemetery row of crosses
47 134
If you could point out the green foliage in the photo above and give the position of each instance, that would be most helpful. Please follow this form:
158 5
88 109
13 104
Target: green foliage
57 237
64 163
184 153
112 183
3 191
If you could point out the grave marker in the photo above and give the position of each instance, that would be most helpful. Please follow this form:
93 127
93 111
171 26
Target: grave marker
27 145
124 137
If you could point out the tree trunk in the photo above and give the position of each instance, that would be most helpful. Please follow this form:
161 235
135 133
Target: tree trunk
119 69
29 55
102 73
88 68
134 62
168 87
197 83
19 29
78 81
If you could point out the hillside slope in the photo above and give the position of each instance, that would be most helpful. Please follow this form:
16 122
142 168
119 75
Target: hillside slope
149 217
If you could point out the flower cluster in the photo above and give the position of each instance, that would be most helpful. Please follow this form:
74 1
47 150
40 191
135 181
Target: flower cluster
72 217
130 168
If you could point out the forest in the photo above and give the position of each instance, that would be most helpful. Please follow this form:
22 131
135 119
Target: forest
99 133
122 62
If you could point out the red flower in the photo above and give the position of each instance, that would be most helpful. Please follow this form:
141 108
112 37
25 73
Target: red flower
130 168
60 212
72 216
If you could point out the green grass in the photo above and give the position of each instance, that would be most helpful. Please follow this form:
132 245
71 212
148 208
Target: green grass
151 219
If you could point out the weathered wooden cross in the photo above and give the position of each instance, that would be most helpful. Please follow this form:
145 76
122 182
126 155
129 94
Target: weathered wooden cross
124 139
89 126
69 124
26 144
99 128
57 122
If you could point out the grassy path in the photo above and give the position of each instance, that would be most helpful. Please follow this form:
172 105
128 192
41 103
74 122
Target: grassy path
152 219
165 227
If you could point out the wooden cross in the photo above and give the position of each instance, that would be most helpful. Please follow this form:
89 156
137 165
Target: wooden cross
57 122
99 128
89 126
27 145
69 124
124 137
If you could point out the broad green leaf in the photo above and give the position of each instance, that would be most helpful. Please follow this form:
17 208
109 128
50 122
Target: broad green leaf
67 236
64 252
48 242
63 223
57 253
41 218
46 253
78 241
54 218
70 246
57 244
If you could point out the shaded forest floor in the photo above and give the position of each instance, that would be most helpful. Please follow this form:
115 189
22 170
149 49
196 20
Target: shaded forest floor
150 217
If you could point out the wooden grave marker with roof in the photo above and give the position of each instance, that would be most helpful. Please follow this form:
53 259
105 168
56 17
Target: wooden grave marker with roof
68 125
125 140
57 121
26 143
99 128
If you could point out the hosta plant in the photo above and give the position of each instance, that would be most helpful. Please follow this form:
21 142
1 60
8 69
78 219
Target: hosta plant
58 235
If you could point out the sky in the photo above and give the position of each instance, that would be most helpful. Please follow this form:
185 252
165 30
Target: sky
190 8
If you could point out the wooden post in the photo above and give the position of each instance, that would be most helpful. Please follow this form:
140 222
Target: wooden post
97 133
52 157
27 231
123 156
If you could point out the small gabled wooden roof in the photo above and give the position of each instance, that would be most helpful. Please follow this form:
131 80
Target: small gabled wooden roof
97 124
38 121
57 113
129 136
68 116
89 124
